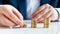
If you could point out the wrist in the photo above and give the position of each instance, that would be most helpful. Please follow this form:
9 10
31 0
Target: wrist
55 16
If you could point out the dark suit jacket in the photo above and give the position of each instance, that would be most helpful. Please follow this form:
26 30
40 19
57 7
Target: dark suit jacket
21 4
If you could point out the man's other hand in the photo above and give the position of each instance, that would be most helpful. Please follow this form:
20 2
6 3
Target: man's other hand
45 11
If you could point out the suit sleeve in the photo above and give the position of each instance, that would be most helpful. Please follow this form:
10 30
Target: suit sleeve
1 2
58 10
54 3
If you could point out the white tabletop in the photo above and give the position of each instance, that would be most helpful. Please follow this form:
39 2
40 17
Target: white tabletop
54 28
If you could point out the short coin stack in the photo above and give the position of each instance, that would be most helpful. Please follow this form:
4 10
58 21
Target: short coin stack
33 23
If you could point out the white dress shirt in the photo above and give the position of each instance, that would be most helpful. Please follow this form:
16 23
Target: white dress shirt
32 5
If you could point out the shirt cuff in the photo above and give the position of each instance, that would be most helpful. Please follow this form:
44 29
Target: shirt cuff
58 11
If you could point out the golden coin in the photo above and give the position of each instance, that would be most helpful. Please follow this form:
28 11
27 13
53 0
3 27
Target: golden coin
46 22
33 23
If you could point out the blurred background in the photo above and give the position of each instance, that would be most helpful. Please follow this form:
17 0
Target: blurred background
58 5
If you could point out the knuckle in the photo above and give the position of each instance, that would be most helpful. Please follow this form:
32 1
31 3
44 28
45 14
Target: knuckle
5 6
47 5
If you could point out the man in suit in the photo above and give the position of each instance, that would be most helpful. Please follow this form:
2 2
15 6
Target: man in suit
17 10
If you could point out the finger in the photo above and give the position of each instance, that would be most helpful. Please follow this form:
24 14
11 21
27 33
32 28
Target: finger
47 15
6 22
8 13
41 14
39 10
17 13
38 14
2 23
41 20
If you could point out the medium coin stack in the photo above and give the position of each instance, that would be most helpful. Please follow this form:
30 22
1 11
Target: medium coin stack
46 22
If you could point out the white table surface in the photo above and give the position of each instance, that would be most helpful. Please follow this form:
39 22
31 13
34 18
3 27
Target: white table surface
54 28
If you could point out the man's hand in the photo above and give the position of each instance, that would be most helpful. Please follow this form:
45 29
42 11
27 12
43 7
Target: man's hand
45 11
10 16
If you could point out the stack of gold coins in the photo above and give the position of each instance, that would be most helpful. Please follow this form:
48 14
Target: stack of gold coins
33 23
46 22
24 26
